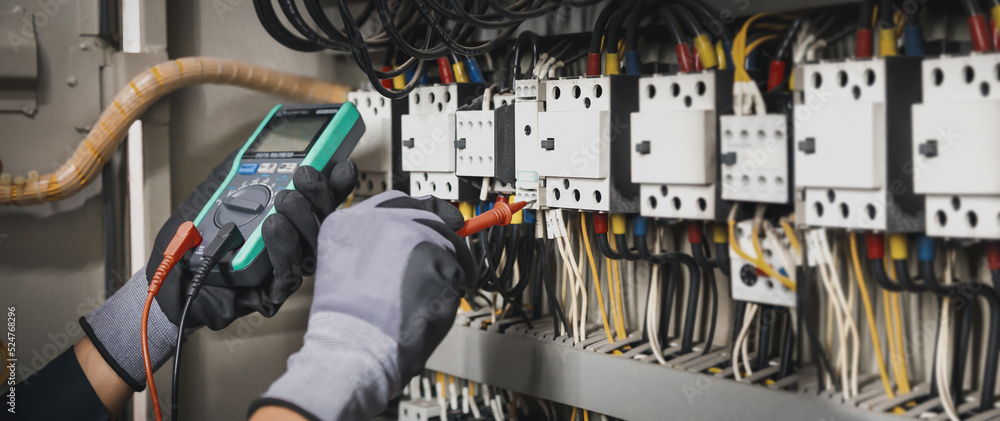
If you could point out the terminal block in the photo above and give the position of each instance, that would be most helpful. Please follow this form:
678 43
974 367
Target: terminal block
955 133
378 152
583 141
853 145
675 142
748 283
754 158
427 140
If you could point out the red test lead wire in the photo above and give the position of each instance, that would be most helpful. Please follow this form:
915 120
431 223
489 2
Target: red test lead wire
186 238
501 214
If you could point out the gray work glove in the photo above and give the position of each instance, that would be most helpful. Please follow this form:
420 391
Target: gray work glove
390 275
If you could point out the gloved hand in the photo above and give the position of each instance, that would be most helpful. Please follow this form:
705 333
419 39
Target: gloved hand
390 276
289 237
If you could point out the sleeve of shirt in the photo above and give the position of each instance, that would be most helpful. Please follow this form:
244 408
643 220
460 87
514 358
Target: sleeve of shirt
59 391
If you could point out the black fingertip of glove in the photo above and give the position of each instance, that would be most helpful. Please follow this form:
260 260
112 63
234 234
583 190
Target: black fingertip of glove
311 184
297 210
343 179
449 214
468 283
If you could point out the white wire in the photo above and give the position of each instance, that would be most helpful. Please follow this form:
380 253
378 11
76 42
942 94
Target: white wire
846 307
943 347
811 52
653 308
552 70
739 348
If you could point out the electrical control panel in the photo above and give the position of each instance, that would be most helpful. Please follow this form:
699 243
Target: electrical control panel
675 142
748 283
851 115
378 152
954 142
754 158
583 142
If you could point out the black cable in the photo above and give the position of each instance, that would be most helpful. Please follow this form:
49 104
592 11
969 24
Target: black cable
885 15
685 16
821 360
361 55
511 14
882 278
714 318
711 18
764 337
602 243
615 26
673 26
986 398
295 18
971 7
865 18
451 43
175 386
479 23
529 37
269 20
632 27
600 24
903 276
623 248
786 43
787 347
960 352
667 303
550 289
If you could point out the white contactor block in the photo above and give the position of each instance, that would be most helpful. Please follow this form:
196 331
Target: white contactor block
582 144
428 131
754 158
373 154
850 154
956 137
673 151
475 143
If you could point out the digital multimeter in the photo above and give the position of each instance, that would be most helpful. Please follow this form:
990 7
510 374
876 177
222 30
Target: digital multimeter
318 136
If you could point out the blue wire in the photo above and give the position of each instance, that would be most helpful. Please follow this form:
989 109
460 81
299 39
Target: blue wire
913 40
633 66
475 74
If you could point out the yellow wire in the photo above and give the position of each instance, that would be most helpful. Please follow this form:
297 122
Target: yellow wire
870 315
763 265
757 42
585 415
897 319
618 300
612 296
790 233
597 278
739 50
889 336
572 415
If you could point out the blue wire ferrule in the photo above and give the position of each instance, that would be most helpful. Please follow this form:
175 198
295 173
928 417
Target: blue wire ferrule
639 224
475 73
529 216
925 249
913 40
633 66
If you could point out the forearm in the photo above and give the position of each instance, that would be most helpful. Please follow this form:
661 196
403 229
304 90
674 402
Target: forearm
110 388
345 370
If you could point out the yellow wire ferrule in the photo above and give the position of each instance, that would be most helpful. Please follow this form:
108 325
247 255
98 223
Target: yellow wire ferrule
720 55
719 234
996 14
517 217
466 209
886 42
706 53
618 223
461 76
898 246
611 64
399 82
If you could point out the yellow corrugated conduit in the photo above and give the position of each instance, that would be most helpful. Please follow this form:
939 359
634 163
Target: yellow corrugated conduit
132 101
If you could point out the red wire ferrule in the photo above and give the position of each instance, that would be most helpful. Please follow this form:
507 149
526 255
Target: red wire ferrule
695 235
863 43
593 64
876 245
696 58
993 255
775 74
684 59
444 69
979 33
386 83
600 223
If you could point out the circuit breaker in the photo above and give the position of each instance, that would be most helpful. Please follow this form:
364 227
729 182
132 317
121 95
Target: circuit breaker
754 158
851 116
748 283
427 140
583 141
675 143
954 145
378 152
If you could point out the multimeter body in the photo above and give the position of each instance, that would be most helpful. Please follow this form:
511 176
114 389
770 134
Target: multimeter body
318 136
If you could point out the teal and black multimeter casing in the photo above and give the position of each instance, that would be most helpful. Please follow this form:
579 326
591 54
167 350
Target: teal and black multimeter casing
318 136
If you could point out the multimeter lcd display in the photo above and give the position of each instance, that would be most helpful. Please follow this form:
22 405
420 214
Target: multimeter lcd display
290 134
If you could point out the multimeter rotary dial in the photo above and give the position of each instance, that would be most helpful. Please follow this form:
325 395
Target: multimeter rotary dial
243 205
